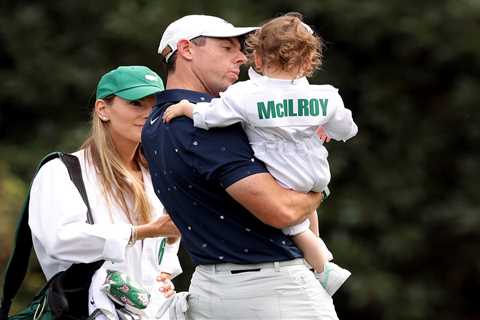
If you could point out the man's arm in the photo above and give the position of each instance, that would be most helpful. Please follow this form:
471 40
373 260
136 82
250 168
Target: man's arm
271 203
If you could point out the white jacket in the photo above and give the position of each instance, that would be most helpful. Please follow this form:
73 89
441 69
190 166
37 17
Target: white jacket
62 237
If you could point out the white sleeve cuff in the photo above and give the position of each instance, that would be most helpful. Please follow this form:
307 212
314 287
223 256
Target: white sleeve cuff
115 247
297 229
170 262
199 116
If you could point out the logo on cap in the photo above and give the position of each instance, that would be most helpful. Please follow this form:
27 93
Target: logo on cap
150 77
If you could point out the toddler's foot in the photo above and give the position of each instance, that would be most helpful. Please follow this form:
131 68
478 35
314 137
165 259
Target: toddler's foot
332 277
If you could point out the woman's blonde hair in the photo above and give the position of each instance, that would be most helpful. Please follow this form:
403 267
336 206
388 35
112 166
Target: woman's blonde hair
287 44
118 183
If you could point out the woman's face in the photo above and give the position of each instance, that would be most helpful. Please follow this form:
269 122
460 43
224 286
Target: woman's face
126 118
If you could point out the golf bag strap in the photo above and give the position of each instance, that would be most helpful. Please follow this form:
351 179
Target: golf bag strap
18 263
75 171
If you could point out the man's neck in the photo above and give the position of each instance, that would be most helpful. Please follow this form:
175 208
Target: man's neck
176 83
179 81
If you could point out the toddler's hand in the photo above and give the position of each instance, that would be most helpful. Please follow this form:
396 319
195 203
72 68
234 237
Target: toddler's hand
322 134
176 110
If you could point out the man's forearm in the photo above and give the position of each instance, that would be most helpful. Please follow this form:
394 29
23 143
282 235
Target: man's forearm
272 204
302 205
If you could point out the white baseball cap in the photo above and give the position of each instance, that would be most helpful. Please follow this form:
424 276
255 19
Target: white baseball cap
193 26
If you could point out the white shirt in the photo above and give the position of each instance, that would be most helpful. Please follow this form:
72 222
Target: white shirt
280 118
61 235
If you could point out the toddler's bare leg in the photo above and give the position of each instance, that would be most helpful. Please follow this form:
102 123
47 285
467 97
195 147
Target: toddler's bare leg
312 249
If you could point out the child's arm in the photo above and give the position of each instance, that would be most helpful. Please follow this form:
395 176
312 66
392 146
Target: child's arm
183 108
314 223
340 125
219 112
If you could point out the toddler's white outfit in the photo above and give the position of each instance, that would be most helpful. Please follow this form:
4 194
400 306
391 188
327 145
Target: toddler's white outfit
280 118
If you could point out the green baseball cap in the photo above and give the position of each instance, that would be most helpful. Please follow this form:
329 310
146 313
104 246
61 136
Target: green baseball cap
129 83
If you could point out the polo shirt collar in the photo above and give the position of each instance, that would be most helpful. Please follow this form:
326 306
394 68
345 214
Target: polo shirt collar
175 95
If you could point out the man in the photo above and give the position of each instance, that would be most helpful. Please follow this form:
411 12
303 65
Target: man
228 208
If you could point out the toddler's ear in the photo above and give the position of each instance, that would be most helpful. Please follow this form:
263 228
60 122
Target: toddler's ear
258 62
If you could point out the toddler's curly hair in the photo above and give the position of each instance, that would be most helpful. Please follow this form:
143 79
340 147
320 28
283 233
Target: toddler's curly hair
287 44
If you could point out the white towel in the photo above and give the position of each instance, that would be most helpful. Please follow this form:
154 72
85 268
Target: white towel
176 305
97 299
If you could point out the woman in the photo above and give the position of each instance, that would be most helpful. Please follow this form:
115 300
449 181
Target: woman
129 222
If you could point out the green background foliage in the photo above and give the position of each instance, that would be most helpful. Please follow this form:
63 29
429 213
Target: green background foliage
405 210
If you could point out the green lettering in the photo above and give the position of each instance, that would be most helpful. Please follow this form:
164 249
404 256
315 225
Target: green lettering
291 113
323 104
314 110
278 108
266 112
303 107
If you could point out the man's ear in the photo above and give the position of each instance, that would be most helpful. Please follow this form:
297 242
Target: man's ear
184 49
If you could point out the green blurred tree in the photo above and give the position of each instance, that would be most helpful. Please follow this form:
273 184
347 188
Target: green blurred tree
403 215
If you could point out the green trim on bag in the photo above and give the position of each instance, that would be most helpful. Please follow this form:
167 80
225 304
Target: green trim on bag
37 310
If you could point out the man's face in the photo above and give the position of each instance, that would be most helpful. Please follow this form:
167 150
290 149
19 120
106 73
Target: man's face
217 63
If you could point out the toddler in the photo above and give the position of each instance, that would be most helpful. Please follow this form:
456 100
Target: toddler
280 113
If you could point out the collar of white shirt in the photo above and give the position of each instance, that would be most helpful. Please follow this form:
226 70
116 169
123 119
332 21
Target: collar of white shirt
255 76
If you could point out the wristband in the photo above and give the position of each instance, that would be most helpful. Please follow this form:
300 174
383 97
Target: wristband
133 236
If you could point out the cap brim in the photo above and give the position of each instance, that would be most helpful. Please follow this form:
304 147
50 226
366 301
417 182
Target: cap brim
138 92
230 32
217 33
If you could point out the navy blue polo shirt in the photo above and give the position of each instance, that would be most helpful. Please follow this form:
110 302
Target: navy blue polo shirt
190 170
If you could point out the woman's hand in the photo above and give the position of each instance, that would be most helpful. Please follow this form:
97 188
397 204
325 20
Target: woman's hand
166 286
163 226
172 240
